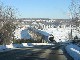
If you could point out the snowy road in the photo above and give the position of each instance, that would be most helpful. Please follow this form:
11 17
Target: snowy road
37 53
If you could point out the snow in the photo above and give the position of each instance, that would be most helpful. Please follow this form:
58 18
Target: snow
75 33
25 34
73 51
60 34
21 33
43 32
4 48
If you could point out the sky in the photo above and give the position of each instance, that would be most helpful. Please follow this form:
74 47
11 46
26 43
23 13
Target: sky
57 9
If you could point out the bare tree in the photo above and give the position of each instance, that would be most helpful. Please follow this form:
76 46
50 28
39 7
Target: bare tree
7 26
74 9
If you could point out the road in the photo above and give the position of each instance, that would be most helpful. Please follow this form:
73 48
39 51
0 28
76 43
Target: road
37 53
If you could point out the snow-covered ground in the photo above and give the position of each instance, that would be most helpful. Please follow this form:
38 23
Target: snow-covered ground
21 33
75 33
60 34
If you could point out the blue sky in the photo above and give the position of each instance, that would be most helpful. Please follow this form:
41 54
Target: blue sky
40 8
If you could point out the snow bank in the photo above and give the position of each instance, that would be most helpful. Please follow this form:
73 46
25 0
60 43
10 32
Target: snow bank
73 51
21 33
14 46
